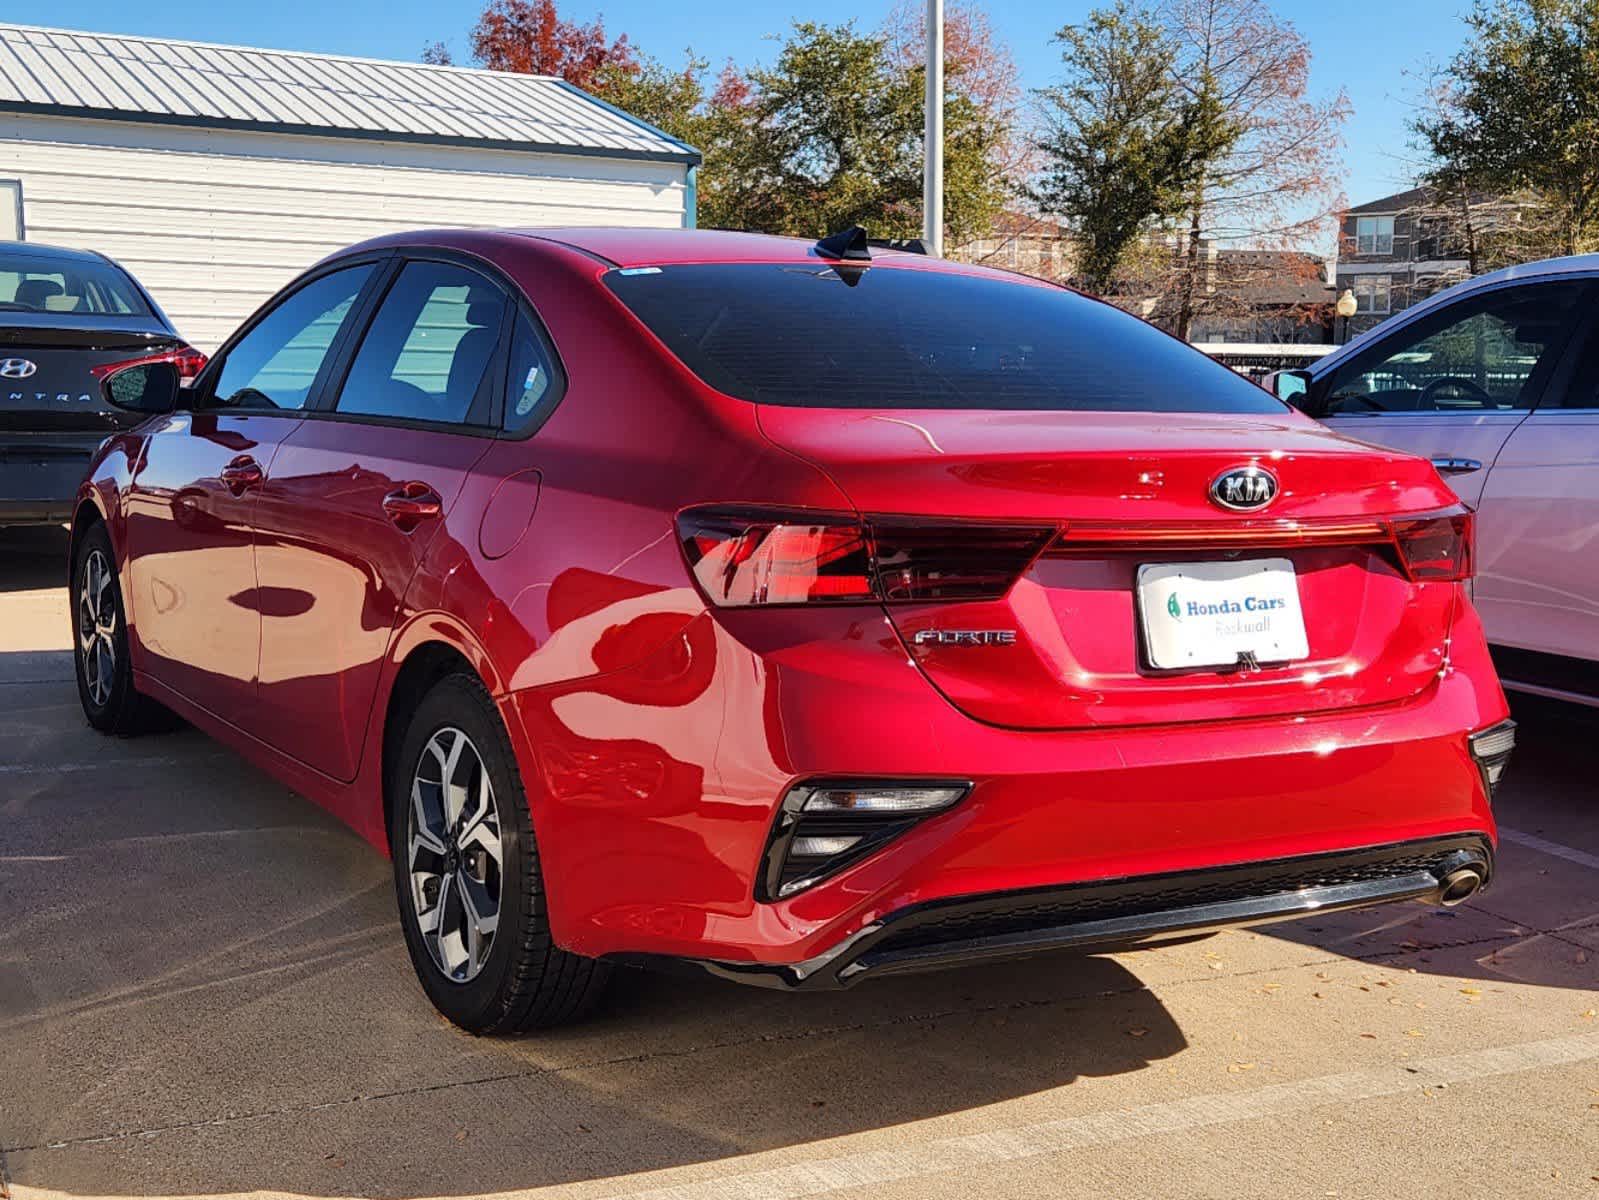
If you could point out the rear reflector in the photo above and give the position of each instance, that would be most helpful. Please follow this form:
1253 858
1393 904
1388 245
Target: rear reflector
881 799
749 557
823 827
1491 748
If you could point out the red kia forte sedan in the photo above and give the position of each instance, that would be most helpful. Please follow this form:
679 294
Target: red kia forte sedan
801 612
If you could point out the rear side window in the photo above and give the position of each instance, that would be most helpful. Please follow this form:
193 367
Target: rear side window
34 284
426 355
804 335
274 365
535 382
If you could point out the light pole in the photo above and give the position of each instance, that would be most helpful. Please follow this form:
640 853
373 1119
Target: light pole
1347 307
933 134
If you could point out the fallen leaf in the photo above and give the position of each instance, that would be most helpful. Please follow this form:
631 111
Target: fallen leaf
1582 956
1414 1033
1238 1067
1269 988
1471 991
1137 1032
460 1135
1372 1036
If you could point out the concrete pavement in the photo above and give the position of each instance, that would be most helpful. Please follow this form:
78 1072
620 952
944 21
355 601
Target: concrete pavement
203 991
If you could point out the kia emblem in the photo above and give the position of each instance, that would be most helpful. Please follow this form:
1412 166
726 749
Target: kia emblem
17 368
1244 489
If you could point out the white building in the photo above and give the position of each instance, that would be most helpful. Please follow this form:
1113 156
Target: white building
217 173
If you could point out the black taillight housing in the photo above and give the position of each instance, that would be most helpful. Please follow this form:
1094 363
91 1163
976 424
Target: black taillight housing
1491 749
823 826
749 557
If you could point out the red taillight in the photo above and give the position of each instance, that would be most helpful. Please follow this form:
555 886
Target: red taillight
1436 548
744 557
186 359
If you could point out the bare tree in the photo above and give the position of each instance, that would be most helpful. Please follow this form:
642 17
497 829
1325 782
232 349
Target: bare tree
980 70
1276 186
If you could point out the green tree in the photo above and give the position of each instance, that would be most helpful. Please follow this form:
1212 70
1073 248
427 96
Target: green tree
1122 143
831 135
1520 111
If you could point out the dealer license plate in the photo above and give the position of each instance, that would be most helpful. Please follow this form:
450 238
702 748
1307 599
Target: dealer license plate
1221 613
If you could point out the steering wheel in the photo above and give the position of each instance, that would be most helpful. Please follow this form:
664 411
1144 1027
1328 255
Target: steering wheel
1473 391
1339 399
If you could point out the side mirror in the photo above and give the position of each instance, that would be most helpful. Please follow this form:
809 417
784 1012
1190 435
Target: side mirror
148 388
1291 387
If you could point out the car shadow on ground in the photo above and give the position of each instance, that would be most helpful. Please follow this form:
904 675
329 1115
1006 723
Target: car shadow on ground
203 989
1538 922
195 954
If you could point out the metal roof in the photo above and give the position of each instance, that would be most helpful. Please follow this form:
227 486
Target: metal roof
62 72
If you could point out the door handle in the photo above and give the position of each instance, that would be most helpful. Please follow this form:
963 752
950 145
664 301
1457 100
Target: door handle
1447 465
412 503
242 473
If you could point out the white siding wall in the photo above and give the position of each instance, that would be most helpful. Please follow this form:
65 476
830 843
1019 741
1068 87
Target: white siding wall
213 222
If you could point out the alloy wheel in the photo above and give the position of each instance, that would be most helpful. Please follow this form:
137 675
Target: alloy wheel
97 628
454 855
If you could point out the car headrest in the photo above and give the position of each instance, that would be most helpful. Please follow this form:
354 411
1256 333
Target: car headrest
35 292
483 311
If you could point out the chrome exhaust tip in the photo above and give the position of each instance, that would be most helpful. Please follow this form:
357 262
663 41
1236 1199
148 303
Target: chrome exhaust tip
1460 885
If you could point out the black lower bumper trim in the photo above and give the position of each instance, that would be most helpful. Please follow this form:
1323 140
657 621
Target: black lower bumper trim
1113 914
35 512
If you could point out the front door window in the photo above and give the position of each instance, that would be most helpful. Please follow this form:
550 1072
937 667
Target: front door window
1486 354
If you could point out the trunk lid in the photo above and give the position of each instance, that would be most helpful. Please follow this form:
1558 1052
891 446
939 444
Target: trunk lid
1122 491
47 384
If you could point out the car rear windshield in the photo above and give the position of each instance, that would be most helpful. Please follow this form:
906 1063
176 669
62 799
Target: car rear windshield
811 336
36 283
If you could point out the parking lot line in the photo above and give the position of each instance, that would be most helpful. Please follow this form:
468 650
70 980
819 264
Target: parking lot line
1533 842
966 1153
113 764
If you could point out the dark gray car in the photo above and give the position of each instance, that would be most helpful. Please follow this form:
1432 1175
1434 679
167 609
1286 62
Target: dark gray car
67 319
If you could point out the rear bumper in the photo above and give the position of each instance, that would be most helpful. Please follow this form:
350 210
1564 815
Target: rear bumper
1114 914
656 788
40 474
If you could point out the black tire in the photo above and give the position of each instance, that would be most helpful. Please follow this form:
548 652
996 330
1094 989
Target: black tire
523 981
104 674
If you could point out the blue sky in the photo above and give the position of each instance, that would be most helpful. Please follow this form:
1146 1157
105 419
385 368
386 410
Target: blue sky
1364 46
